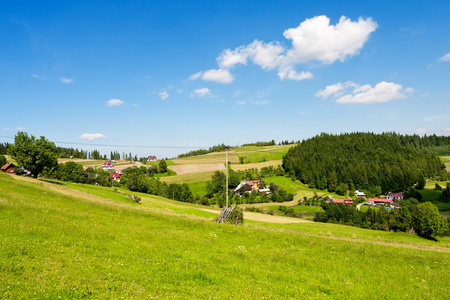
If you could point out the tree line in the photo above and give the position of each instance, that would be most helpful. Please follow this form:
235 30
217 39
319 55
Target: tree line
422 218
374 162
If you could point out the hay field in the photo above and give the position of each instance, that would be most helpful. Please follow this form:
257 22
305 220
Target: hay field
198 168
257 165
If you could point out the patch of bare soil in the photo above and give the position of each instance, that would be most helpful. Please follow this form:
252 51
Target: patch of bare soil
185 169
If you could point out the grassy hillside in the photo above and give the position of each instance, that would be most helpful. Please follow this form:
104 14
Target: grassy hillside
55 245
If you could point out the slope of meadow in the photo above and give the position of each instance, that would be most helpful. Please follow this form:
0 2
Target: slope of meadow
54 245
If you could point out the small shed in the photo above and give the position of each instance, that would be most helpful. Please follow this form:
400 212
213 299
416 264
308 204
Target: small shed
9 168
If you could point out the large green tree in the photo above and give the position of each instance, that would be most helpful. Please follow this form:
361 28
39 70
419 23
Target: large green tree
33 154
427 221
2 160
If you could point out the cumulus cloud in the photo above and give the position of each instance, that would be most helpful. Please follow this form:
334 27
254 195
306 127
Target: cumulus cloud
219 75
66 80
164 95
91 136
20 128
446 57
350 92
201 92
115 102
313 40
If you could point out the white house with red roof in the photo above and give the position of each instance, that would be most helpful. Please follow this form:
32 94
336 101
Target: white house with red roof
115 176
395 196
378 201
151 158
108 166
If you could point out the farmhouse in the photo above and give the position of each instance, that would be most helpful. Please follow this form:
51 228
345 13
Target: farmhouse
108 166
252 185
9 168
395 196
115 176
151 158
377 201
346 200
360 194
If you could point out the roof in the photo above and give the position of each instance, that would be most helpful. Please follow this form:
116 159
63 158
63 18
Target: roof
380 200
117 175
107 164
396 195
8 165
338 201
395 204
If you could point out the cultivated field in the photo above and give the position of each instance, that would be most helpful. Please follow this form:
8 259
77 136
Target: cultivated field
97 244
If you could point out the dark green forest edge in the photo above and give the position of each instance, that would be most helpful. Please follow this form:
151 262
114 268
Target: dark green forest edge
379 163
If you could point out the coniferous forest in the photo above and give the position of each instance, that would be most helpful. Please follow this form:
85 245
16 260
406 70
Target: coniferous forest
374 162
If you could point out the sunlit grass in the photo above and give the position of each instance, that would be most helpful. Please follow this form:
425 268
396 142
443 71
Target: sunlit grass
57 246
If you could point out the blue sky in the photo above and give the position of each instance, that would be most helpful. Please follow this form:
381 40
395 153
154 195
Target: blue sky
172 74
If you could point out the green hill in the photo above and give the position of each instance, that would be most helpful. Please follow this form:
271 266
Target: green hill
57 242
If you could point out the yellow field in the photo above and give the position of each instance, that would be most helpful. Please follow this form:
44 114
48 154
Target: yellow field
188 178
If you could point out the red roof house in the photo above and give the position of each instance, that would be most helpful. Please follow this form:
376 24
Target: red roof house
395 196
115 176
9 168
377 201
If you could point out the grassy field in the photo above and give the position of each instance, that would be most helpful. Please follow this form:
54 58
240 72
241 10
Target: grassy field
260 154
257 165
55 246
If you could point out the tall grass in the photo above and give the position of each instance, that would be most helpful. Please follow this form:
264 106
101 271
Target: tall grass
57 246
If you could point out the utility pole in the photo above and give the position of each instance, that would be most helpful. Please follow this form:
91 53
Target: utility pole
226 185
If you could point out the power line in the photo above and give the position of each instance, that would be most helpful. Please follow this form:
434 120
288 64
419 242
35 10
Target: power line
121 146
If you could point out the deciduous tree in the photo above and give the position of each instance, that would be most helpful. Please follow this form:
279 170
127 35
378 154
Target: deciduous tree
33 154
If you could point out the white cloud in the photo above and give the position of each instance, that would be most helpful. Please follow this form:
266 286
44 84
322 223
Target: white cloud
421 131
201 92
350 92
115 102
35 76
164 95
446 57
240 102
66 80
91 136
316 39
6 129
447 129
195 76
20 128
293 75
220 76
313 40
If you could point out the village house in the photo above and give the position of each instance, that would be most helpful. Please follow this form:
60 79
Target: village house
252 185
108 166
378 201
346 200
115 176
151 158
360 194
395 196
9 168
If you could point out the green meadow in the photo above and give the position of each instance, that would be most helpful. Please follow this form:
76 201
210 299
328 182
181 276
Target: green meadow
75 241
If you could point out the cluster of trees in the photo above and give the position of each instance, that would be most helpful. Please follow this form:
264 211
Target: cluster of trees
261 144
215 188
74 172
378 163
221 147
423 218
3 148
